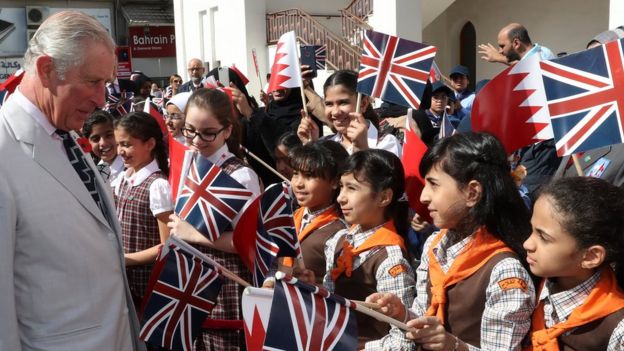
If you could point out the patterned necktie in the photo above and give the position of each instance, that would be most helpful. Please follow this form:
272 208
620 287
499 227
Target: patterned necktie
76 158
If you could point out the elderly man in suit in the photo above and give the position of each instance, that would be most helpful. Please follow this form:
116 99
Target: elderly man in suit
196 71
62 280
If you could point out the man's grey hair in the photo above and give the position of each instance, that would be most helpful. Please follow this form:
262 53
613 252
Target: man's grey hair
63 37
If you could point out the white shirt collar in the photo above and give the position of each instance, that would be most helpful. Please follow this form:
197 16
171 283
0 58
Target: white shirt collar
34 111
222 154
117 165
138 177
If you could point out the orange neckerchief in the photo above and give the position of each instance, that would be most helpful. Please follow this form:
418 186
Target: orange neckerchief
325 217
471 258
604 299
384 236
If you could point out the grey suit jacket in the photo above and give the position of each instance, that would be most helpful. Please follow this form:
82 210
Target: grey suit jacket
62 276
606 163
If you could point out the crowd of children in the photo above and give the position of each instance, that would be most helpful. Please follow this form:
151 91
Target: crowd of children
477 284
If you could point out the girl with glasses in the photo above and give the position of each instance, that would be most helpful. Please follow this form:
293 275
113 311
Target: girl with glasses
174 117
212 131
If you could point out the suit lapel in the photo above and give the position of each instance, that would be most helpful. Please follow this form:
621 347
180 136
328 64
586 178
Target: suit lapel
591 156
49 155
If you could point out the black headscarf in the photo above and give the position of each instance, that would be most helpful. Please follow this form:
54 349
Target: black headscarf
287 109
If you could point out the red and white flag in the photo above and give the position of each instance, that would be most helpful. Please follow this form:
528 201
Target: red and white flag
149 108
286 70
176 160
413 151
512 106
11 84
256 305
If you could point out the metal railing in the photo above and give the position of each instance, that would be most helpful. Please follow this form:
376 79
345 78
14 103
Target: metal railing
340 54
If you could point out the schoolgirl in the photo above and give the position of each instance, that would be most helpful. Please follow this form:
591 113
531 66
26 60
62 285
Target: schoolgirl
370 256
355 131
174 115
576 246
99 130
316 173
142 196
473 292
211 131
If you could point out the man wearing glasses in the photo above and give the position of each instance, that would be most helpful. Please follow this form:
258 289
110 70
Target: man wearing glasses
196 71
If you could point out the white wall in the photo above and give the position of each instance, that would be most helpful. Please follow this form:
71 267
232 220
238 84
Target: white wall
561 25
221 30
398 17
616 13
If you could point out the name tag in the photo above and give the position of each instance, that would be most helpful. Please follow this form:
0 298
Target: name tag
598 168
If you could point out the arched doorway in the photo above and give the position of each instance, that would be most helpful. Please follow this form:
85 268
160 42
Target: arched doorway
468 51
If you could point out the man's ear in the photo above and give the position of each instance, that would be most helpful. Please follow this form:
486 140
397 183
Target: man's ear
594 257
46 71
473 191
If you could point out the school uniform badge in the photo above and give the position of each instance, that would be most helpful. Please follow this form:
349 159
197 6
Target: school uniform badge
599 167
397 269
513 283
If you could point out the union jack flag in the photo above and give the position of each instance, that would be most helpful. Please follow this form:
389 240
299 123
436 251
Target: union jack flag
585 96
446 127
320 53
435 74
209 199
315 319
266 230
118 104
181 298
394 69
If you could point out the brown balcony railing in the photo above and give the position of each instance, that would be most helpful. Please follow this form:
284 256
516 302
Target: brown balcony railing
353 28
360 8
340 54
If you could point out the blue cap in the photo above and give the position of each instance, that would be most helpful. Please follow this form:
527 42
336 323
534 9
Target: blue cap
437 86
459 69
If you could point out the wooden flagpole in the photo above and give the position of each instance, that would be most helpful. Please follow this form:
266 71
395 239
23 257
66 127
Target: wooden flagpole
222 270
247 152
358 103
255 60
577 165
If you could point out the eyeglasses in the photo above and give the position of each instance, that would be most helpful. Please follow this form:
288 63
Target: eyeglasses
195 69
205 136
177 81
174 116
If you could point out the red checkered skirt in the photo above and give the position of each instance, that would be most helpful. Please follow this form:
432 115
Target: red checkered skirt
139 229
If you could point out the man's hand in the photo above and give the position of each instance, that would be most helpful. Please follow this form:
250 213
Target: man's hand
489 53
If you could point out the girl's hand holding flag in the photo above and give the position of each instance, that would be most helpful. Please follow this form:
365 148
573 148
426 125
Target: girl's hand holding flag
308 130
357 131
